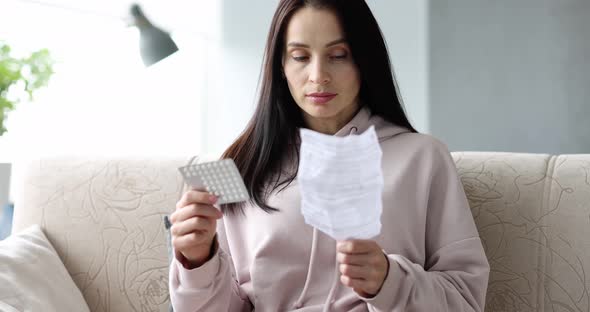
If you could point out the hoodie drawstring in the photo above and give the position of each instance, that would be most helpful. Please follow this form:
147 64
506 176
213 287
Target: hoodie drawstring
333 289
314 242
330 299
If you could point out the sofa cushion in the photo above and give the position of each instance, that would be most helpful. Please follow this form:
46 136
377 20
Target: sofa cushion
32 276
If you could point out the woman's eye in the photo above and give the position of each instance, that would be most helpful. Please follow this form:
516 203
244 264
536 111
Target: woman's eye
339 56
300 58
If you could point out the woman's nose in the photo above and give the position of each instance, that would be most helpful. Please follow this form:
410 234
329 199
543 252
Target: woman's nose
318 73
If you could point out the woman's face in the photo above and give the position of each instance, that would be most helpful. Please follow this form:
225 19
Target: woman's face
322 76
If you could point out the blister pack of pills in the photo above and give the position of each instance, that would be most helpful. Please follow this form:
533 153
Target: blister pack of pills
220 178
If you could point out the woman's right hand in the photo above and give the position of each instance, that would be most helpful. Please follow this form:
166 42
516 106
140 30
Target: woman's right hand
194 225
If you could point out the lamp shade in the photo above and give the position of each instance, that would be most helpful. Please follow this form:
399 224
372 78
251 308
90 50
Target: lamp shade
154 43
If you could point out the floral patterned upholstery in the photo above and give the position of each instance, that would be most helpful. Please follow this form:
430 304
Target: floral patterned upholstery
104 217
533 215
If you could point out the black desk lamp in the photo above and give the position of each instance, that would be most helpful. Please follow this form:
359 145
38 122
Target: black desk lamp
154 43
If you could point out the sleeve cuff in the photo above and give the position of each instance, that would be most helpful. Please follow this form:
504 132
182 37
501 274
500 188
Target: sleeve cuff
384 300
200 277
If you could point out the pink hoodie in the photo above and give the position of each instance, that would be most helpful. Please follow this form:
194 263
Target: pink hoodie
276 262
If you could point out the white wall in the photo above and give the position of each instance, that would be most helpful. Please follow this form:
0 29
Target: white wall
405 27
235 70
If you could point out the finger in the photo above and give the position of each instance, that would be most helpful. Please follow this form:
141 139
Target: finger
353 259
355 271
362 287
195 210
191 225
352 282
190 240
356 246
194 196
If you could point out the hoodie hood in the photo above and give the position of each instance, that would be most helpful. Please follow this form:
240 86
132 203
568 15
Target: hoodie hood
364 119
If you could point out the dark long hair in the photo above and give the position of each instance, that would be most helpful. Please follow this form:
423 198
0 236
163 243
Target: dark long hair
269 142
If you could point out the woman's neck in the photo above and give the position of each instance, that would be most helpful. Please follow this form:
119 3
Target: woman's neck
333 124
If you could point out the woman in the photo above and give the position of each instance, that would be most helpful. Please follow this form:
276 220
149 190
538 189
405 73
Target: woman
326 68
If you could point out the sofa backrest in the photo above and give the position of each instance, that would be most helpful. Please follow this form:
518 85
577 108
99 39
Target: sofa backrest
533 215
104 217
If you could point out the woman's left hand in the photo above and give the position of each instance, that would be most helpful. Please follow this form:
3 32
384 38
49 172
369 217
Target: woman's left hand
363 265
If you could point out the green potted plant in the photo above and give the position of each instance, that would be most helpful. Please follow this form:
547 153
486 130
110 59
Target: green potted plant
21 76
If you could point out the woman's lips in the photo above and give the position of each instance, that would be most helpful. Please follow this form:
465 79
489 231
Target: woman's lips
321 98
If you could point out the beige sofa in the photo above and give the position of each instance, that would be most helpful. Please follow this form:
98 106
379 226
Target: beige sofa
104 217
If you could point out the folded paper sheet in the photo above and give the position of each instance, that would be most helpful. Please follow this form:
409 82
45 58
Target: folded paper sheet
340 180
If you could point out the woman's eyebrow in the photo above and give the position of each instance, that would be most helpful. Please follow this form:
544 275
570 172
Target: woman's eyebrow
302 45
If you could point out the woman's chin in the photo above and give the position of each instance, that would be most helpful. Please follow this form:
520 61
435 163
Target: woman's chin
320 110
320 114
